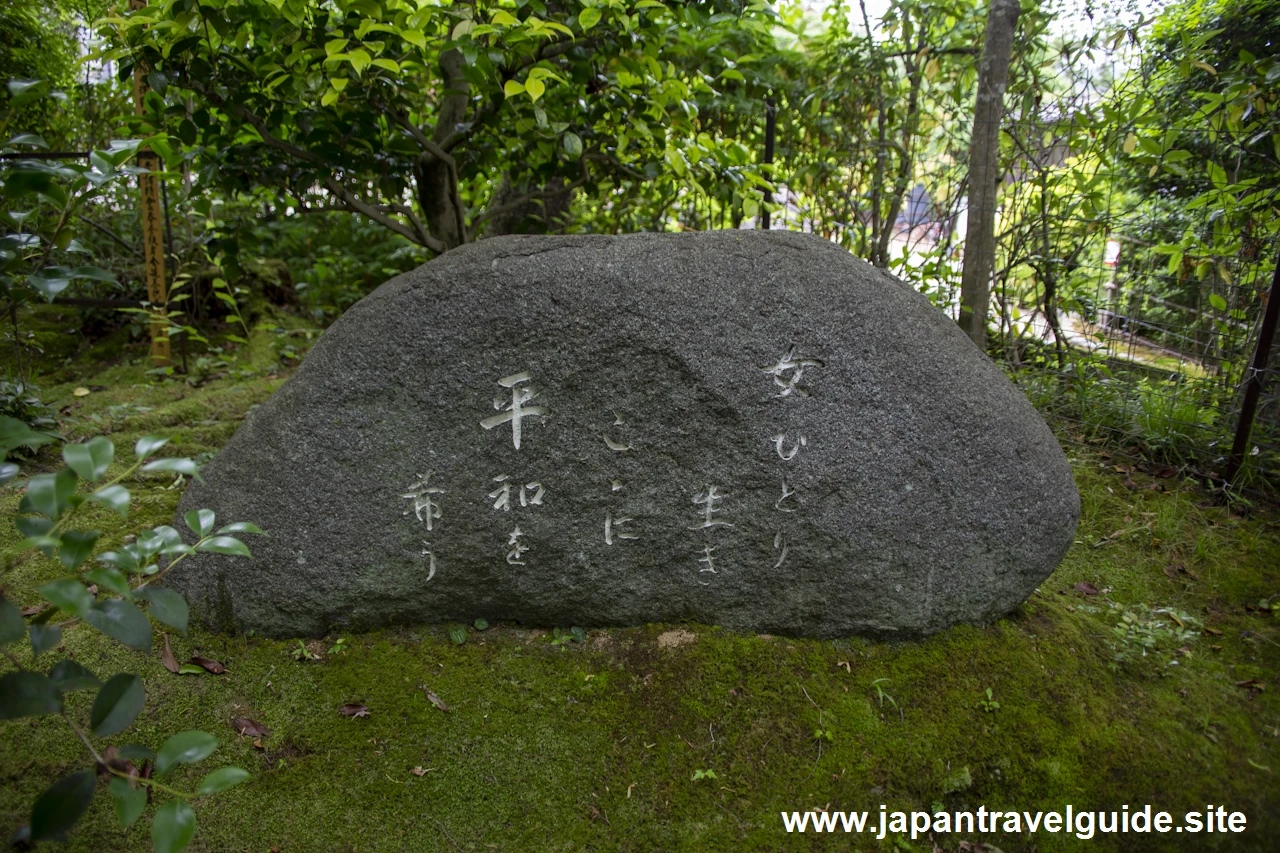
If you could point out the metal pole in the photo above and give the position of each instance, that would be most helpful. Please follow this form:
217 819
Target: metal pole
1253 384
770 130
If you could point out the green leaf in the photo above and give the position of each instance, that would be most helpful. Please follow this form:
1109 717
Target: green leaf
1217 302
68 594
173 827
333 46
535 88
176 464
48 494
118 704
134 752
8 470
67 676
116 497
481 625
458 635
512 88
110 578
58 808
185 748
221 779
224 545
359 59
121 621
91 459
329 98
504 18
49 281
28 694
242 527
130 802
76 547
191 669
148 445
415 38
15 433
44 637
167 606
588 18
200 521
12 628
573 145
32 139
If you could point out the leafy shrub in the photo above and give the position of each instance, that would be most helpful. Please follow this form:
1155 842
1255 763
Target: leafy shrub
108 597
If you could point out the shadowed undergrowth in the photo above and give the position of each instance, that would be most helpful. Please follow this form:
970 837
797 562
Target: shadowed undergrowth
689 737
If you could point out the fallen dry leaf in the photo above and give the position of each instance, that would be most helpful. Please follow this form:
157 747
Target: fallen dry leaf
210 665
167 658
257 743
81 392
418 771
434 699
1086 588
33 609
250 727
353 710
1252 684
1214 631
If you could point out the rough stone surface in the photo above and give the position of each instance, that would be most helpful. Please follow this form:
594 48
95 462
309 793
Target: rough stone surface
755 430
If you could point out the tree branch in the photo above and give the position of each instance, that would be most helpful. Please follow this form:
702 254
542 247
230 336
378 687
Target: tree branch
416 234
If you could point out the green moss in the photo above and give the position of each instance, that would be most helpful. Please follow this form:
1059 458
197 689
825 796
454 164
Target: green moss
595 746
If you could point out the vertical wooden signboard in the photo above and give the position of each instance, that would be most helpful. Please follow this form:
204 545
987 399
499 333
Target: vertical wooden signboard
152 224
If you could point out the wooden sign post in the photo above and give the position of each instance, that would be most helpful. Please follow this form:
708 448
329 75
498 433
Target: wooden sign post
152 224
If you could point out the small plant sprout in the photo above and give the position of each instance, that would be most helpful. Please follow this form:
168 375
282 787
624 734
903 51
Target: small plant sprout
339 647
300 652
458 634
884 697
699 775
989 704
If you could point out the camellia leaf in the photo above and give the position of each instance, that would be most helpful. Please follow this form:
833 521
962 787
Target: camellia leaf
167 606
28 694
67 675
91 459
177 464
224 545
221 779
58 808
121 621
535 88
185 748
200 521
76 547
130 801
68 594
116 497
48 494
242 527
8 470
148 445
173 827
118 704
12 628
512 88
573 145
588 18
110 578
45 637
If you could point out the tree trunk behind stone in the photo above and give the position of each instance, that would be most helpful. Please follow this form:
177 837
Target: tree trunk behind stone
984 170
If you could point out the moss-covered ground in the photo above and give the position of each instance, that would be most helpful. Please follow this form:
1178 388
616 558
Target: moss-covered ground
686 737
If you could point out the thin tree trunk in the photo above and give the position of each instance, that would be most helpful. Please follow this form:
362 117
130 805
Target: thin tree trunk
437 179
984 170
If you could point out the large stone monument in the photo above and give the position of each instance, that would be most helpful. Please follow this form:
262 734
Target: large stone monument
755 430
